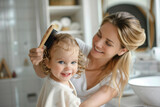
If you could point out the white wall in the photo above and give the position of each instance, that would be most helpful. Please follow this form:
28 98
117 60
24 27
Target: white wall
17 31
157 16
92 17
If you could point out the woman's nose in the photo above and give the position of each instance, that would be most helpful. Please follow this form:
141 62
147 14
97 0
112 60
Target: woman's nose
99 43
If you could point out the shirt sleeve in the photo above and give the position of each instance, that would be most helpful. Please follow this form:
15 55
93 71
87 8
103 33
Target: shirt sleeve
106 81
84 48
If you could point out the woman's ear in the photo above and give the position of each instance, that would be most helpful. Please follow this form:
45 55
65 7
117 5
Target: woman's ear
122 51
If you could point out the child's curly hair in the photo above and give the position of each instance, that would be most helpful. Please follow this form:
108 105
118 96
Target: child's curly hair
71 43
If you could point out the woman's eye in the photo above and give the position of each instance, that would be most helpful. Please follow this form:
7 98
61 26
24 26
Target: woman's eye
61 62
74 62
108 44
98 35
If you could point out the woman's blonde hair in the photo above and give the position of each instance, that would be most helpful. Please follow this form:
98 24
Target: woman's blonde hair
131 36
70 44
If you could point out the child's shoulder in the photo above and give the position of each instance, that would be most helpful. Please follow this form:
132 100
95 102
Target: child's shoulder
58 86
59 89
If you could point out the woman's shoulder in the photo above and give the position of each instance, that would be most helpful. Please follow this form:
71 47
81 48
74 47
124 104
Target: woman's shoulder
108 80
83 46
109 77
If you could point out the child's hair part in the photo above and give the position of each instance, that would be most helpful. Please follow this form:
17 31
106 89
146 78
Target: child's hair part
70 44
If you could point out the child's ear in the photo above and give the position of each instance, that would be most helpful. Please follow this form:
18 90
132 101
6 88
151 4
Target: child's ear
122 51
47 62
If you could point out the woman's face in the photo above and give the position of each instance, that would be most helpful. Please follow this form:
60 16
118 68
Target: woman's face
105 43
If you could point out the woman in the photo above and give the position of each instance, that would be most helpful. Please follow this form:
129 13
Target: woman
107 72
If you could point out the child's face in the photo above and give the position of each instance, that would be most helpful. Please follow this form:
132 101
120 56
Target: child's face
63 64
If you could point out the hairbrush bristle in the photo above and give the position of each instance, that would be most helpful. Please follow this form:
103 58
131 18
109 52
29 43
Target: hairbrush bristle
50 39
48 36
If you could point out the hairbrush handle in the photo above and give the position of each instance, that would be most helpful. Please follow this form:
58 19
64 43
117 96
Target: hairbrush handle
46 35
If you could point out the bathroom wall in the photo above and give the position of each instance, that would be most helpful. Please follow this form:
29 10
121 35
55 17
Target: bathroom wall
19 32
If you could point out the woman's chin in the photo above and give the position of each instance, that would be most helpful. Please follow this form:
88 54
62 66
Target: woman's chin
96 54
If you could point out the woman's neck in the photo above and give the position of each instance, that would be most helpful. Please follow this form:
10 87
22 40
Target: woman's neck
95 64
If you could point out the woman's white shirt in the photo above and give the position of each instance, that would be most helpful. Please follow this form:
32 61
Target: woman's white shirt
81 84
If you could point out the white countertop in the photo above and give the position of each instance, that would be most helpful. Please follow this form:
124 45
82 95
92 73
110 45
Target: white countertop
128 101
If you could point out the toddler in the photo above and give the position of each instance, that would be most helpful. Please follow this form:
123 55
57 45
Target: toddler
60 62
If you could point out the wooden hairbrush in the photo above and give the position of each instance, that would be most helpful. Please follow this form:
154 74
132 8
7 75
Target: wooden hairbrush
48 37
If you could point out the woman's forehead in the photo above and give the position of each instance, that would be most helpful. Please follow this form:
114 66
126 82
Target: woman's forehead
110 33
108 29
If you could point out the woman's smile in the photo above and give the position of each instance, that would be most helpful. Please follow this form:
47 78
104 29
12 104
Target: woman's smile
97 50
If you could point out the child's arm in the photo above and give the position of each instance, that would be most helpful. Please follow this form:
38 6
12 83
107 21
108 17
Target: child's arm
102 96
36 56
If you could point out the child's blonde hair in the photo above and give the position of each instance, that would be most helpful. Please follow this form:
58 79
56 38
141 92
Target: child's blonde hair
70 44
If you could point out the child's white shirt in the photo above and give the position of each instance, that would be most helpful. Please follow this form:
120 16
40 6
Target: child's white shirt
56 94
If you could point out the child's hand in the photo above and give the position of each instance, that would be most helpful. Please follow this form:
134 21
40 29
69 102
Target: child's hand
36 55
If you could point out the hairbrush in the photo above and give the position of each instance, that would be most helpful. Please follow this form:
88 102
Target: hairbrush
48 37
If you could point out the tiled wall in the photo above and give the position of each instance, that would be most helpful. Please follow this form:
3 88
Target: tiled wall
17 31
18 34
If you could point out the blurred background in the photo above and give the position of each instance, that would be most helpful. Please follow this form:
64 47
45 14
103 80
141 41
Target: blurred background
23 23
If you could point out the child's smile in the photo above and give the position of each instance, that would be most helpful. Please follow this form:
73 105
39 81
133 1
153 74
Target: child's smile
63 64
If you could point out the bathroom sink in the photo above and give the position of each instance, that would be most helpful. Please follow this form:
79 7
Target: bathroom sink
147 89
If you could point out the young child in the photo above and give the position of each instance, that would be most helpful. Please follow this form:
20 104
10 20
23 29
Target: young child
60 62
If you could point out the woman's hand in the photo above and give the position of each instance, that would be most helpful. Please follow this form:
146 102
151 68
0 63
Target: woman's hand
36 56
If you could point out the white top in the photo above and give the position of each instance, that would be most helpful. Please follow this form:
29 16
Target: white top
56 94
81 83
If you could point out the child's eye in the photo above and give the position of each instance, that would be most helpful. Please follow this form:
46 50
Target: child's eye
61 62
74 62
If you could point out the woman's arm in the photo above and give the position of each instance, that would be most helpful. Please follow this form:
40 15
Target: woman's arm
36 56
39 71
102 96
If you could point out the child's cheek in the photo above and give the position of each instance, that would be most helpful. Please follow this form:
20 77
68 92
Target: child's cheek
58 67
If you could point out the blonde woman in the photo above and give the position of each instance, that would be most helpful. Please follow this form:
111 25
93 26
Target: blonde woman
109 57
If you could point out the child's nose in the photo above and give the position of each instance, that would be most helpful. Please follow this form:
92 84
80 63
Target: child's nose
68 67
